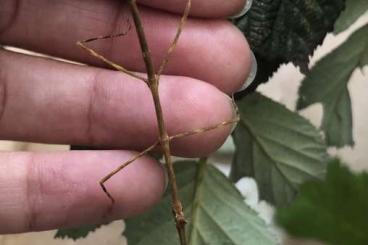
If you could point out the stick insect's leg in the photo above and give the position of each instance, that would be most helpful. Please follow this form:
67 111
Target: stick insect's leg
203 130
176 38
121 167
180 135
106 191
99 56
234 121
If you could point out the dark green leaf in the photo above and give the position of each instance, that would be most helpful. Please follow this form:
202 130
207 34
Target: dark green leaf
281 31
354 9
76 233
215 210
333 211
277 147
327 84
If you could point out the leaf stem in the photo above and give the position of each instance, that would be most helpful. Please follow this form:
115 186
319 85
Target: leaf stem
201 170
164 139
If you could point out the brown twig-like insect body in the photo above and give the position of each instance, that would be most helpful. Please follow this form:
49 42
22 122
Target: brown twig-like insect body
152 82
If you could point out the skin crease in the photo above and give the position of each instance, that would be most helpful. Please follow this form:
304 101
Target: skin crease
42 100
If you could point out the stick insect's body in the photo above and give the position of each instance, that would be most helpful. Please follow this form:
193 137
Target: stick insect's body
152 82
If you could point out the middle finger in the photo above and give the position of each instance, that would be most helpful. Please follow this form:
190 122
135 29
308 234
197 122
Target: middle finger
210 50
54 102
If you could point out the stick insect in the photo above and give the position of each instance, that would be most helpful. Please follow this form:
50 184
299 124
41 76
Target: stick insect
152 81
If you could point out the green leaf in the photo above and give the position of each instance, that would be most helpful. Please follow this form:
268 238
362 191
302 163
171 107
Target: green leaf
354 9
327 84
76 233
281 31
333 211
215 210
277 147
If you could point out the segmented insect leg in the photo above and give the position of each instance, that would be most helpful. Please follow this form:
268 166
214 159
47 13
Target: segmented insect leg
121 167
176 38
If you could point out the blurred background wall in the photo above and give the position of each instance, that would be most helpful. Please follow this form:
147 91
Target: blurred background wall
283 87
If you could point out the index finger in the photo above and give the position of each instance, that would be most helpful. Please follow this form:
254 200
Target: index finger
200 8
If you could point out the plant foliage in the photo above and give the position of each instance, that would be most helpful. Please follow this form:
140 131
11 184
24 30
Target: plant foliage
281 31
327 84
354 9
76 233
277 147
216 210
332 211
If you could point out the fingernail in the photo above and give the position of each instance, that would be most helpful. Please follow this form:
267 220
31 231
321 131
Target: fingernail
247 6
252 73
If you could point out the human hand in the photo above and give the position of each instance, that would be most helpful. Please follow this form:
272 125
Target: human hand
43 100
